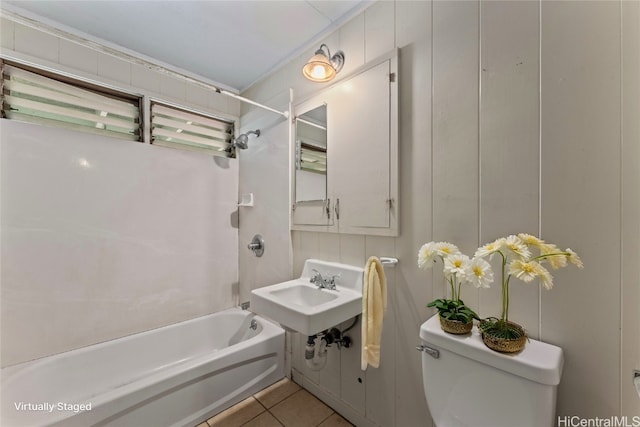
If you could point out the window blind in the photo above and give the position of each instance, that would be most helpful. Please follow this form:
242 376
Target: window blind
312 158
177 128
36 98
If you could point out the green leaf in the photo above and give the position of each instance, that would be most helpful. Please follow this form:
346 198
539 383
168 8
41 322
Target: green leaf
442 305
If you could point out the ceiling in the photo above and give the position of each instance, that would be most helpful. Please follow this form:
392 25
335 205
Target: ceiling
233 43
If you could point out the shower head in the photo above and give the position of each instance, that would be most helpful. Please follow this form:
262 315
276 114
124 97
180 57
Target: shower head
242 141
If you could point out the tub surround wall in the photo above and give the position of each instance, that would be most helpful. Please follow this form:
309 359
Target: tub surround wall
103 238
269 214
516 116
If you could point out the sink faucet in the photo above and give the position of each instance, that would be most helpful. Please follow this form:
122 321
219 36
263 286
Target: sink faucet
323 282
317 278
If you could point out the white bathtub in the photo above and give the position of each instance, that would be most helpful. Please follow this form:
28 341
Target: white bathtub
178 375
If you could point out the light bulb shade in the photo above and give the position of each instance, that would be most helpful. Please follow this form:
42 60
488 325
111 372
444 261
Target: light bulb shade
319 69
322 69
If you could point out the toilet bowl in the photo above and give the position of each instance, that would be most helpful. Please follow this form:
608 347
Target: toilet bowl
467 384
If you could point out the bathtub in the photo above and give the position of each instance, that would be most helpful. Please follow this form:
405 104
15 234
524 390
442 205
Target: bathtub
178 375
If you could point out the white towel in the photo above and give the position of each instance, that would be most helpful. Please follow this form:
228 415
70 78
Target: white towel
374 304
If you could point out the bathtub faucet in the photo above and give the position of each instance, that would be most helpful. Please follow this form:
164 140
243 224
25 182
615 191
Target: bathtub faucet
323 282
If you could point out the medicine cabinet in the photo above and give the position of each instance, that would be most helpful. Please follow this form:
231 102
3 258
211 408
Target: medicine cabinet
345 177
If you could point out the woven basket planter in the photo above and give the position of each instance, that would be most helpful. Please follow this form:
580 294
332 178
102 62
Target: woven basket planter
455 326
505 345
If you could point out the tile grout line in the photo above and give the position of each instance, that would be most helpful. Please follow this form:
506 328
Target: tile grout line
278 420
279 402
259 403
329 416
272 406
285 398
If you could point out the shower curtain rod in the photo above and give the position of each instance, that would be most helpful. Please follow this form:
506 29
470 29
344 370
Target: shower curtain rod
41 26
285 114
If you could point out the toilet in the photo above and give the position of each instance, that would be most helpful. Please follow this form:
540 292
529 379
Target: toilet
467 384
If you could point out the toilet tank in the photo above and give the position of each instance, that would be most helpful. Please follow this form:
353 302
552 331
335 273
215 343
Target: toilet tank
472 385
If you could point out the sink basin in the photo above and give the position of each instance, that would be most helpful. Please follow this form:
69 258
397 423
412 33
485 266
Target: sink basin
303 295
301 306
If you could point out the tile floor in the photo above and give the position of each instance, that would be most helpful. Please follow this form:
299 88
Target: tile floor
284 403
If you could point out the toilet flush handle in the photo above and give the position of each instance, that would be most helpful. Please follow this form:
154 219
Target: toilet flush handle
430 351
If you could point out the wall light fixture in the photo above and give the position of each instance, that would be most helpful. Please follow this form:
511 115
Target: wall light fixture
322 67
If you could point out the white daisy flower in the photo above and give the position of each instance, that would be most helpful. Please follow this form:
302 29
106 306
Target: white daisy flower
445 249
426 255
456 264
479 273
490 248
530 240
516 246
525 270
554 255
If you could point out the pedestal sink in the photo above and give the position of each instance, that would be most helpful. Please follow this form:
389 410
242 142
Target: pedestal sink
302 306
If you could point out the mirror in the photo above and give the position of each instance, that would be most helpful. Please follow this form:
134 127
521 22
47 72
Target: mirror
311 155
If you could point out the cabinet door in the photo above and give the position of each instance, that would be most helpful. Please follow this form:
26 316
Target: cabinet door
361 153
312 213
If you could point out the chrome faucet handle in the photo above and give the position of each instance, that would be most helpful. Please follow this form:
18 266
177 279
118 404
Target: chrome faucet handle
317 277
332 281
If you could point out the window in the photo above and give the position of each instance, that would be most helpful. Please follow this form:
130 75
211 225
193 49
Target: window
186 130
46 99
311 158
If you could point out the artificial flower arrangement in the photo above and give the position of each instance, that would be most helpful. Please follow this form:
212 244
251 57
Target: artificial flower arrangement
455 316
522 256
